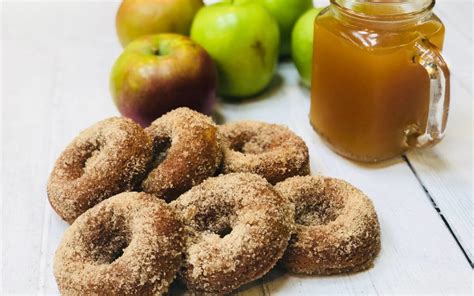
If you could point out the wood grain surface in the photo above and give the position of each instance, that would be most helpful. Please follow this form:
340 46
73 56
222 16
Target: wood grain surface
56 59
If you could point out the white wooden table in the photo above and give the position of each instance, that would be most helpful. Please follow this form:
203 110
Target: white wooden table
56 59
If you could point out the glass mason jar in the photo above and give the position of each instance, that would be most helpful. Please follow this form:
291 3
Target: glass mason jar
379 83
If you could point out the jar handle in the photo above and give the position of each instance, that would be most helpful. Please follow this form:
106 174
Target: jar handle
430 58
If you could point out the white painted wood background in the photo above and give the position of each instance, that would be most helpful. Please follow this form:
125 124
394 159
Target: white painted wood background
56 58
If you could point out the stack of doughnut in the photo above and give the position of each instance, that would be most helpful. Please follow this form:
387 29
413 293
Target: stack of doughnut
215 206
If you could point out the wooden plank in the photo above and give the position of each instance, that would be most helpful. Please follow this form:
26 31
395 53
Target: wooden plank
446 169
458 14
60 86
56 84
85 106
457 17
25 149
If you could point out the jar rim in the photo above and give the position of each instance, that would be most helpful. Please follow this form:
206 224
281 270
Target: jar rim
384 17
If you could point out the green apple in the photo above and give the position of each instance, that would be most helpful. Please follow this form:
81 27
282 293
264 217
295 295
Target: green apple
158 73
243 40
136 18
302 44
286 13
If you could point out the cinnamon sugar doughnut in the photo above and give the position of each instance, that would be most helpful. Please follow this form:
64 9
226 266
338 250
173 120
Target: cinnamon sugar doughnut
269 150
129 244
186 151
105 159
237 228
336 227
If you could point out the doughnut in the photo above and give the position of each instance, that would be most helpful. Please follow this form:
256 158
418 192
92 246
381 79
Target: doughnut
105 159
337 229
269 150
129 244
187 150
237 228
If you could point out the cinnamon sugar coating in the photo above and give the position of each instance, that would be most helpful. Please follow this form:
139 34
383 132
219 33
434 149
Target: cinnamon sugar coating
103 160
237 228
337 229
269 150
187 150
129 244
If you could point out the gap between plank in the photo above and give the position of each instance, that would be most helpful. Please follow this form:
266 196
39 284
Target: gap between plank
433 202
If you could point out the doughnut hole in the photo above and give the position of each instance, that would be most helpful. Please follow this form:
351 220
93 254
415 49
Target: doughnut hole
109 239
216 219
93 157
319 209
222 232
250 142
161 145
86 157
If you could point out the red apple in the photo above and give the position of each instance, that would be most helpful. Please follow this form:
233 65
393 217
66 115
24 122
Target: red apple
158 73
137 18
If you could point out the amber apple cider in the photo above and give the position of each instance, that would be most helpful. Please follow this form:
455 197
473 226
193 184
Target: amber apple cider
369 95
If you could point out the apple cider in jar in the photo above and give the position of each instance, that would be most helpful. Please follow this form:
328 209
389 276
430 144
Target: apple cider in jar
379 83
